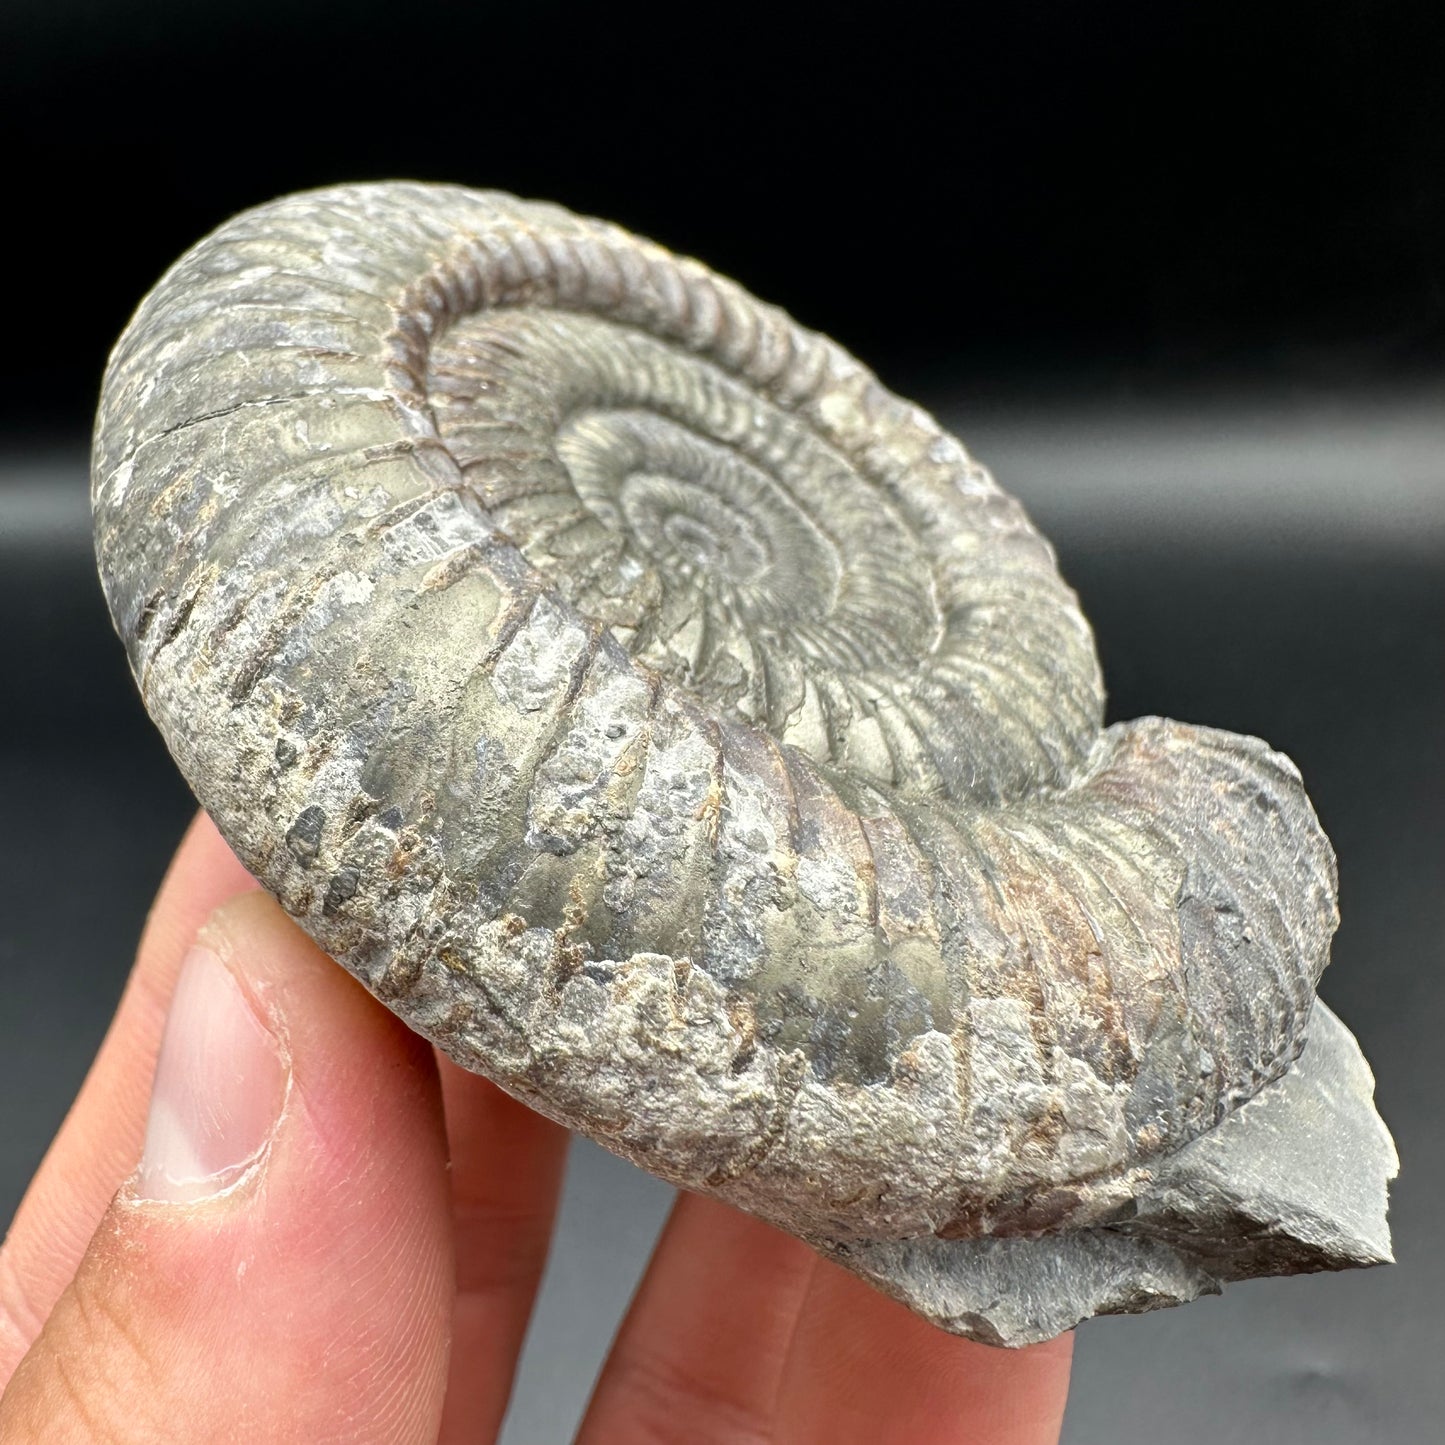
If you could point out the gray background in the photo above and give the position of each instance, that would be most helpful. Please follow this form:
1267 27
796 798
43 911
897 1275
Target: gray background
1268 562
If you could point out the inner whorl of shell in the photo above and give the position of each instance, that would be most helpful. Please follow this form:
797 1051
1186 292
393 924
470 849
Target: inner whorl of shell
728 545
676 725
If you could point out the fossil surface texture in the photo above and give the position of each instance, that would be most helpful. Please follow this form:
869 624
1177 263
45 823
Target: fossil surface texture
685 732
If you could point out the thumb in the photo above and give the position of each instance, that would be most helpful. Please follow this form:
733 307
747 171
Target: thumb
279 1267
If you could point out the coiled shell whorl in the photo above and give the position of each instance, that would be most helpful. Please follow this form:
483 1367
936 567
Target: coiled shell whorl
685 732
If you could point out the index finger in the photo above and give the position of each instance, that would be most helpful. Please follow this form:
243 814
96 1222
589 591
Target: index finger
745 1334
864 1369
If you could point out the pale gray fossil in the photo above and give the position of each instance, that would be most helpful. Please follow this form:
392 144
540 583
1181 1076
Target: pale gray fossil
680 729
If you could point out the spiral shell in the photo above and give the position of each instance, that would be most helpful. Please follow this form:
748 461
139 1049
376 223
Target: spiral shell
685 732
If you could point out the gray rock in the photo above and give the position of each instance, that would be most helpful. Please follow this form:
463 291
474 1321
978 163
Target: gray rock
688 734
1292 1181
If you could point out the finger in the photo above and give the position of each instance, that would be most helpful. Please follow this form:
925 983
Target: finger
865 1371
100 1140
507 1165
746 1335
703 1352
279 1267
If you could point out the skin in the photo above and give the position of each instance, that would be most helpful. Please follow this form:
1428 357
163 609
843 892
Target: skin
354 1287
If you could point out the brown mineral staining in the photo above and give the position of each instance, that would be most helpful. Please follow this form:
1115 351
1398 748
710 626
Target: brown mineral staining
688 734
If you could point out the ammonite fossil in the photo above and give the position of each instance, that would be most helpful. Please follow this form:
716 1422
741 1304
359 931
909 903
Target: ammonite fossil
680 729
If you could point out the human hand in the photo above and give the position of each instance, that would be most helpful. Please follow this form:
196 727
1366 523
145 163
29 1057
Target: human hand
294 1260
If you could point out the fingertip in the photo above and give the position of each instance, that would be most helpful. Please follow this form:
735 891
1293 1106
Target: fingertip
98 1143
367 1084
283 1257
203 875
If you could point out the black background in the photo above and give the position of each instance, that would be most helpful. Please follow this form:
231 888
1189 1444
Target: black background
1176 272
1150 193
